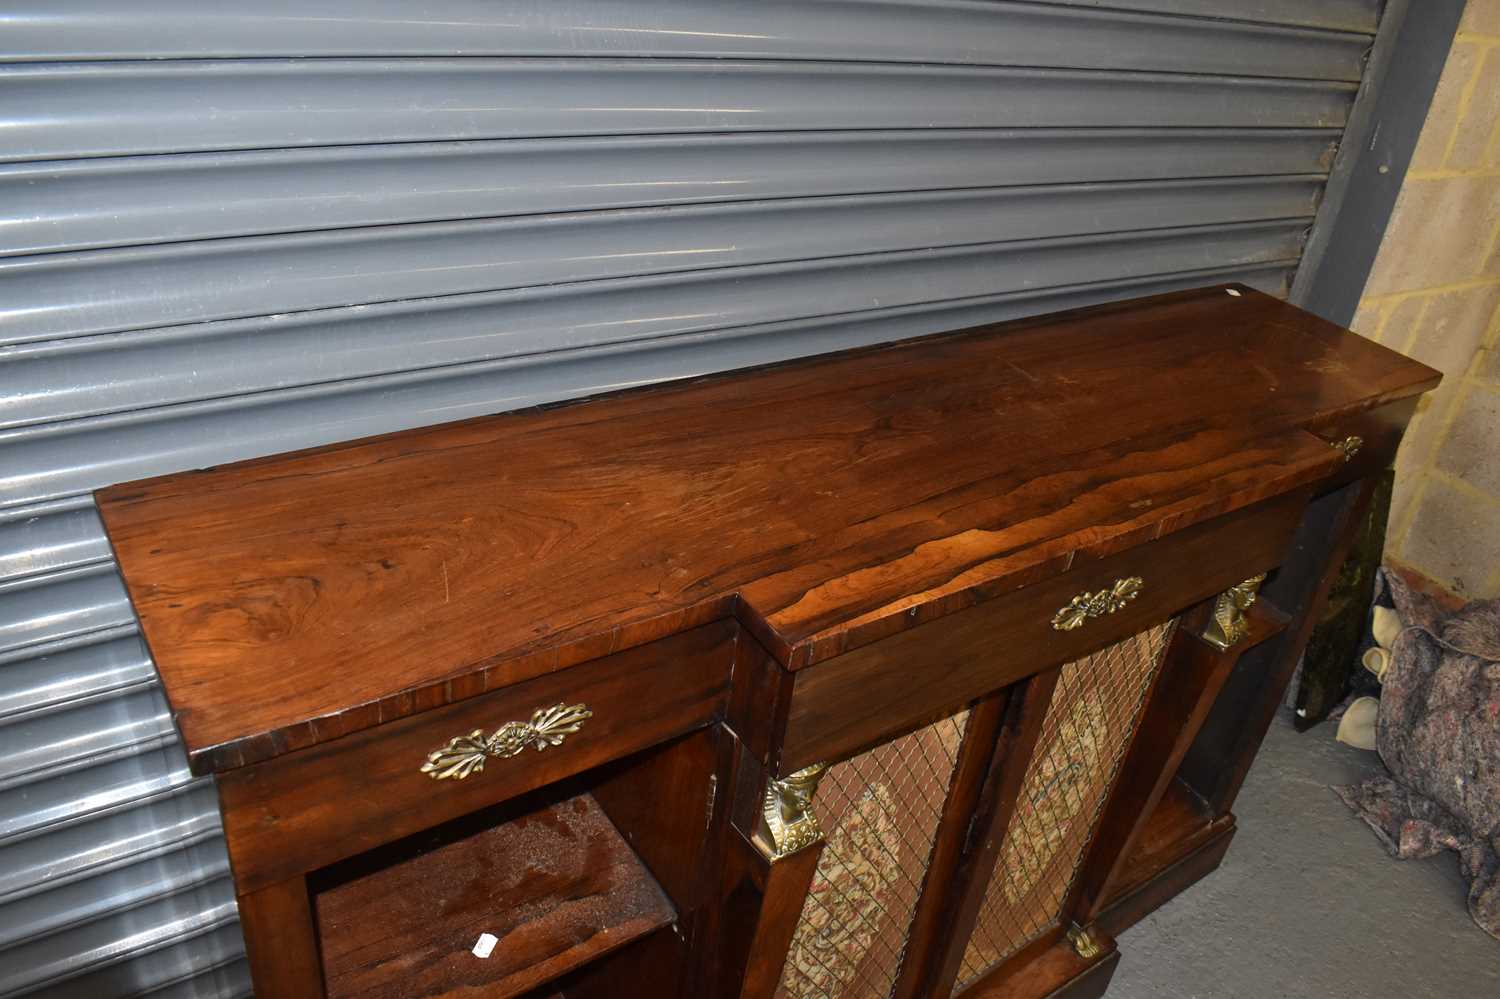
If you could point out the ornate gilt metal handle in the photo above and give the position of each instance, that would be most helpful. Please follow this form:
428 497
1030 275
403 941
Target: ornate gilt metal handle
465 754
1076 613
1349 446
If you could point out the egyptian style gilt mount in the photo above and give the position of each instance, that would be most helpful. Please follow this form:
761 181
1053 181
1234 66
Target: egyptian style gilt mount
787 820
1229 626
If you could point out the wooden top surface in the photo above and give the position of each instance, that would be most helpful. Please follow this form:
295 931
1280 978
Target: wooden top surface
826 502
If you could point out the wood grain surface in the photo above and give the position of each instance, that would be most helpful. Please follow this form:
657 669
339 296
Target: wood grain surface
558 887
826 503
350 795
862 696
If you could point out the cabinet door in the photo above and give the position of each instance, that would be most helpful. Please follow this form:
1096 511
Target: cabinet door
880 814
956 847
1094 711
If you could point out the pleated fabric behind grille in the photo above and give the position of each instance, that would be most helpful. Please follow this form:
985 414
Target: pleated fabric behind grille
232 229
879 813
1093 714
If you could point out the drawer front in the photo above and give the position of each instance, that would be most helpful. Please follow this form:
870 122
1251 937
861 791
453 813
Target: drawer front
851 701
311 808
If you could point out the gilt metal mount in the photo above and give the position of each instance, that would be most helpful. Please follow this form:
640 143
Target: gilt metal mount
465 754
787 820
1086 605
1228 626
1084 944
1349 446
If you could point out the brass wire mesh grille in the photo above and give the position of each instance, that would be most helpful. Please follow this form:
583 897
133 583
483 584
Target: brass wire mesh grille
879 812
1094 710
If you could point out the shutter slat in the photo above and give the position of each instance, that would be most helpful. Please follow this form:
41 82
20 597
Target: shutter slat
111 109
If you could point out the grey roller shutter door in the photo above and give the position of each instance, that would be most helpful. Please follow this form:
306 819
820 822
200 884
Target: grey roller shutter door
232 229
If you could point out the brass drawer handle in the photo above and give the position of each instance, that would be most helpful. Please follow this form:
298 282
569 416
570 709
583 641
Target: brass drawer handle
1349 446
465 754
1086 605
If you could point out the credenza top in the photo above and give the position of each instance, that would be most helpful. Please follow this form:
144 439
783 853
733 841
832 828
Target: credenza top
826 502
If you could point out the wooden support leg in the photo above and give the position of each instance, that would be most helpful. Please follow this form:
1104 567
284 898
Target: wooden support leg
281 941
762 905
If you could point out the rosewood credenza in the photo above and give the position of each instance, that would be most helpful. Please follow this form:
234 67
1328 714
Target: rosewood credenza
913 670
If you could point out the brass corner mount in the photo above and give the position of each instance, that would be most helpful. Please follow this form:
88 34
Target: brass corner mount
1228 626
1084 944
1348 446
787 820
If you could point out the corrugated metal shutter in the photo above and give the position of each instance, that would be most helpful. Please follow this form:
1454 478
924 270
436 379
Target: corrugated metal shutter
232 229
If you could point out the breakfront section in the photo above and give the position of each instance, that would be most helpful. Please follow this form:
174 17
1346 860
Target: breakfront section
915 671
973 834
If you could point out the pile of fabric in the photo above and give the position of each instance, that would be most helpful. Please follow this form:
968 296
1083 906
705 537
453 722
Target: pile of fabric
1438 731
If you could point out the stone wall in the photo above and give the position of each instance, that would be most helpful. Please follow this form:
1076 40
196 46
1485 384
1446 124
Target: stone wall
1433 295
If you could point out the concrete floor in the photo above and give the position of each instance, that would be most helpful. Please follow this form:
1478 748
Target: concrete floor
1307 905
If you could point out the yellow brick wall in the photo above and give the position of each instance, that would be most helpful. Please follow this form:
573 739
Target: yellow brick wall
1433 294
